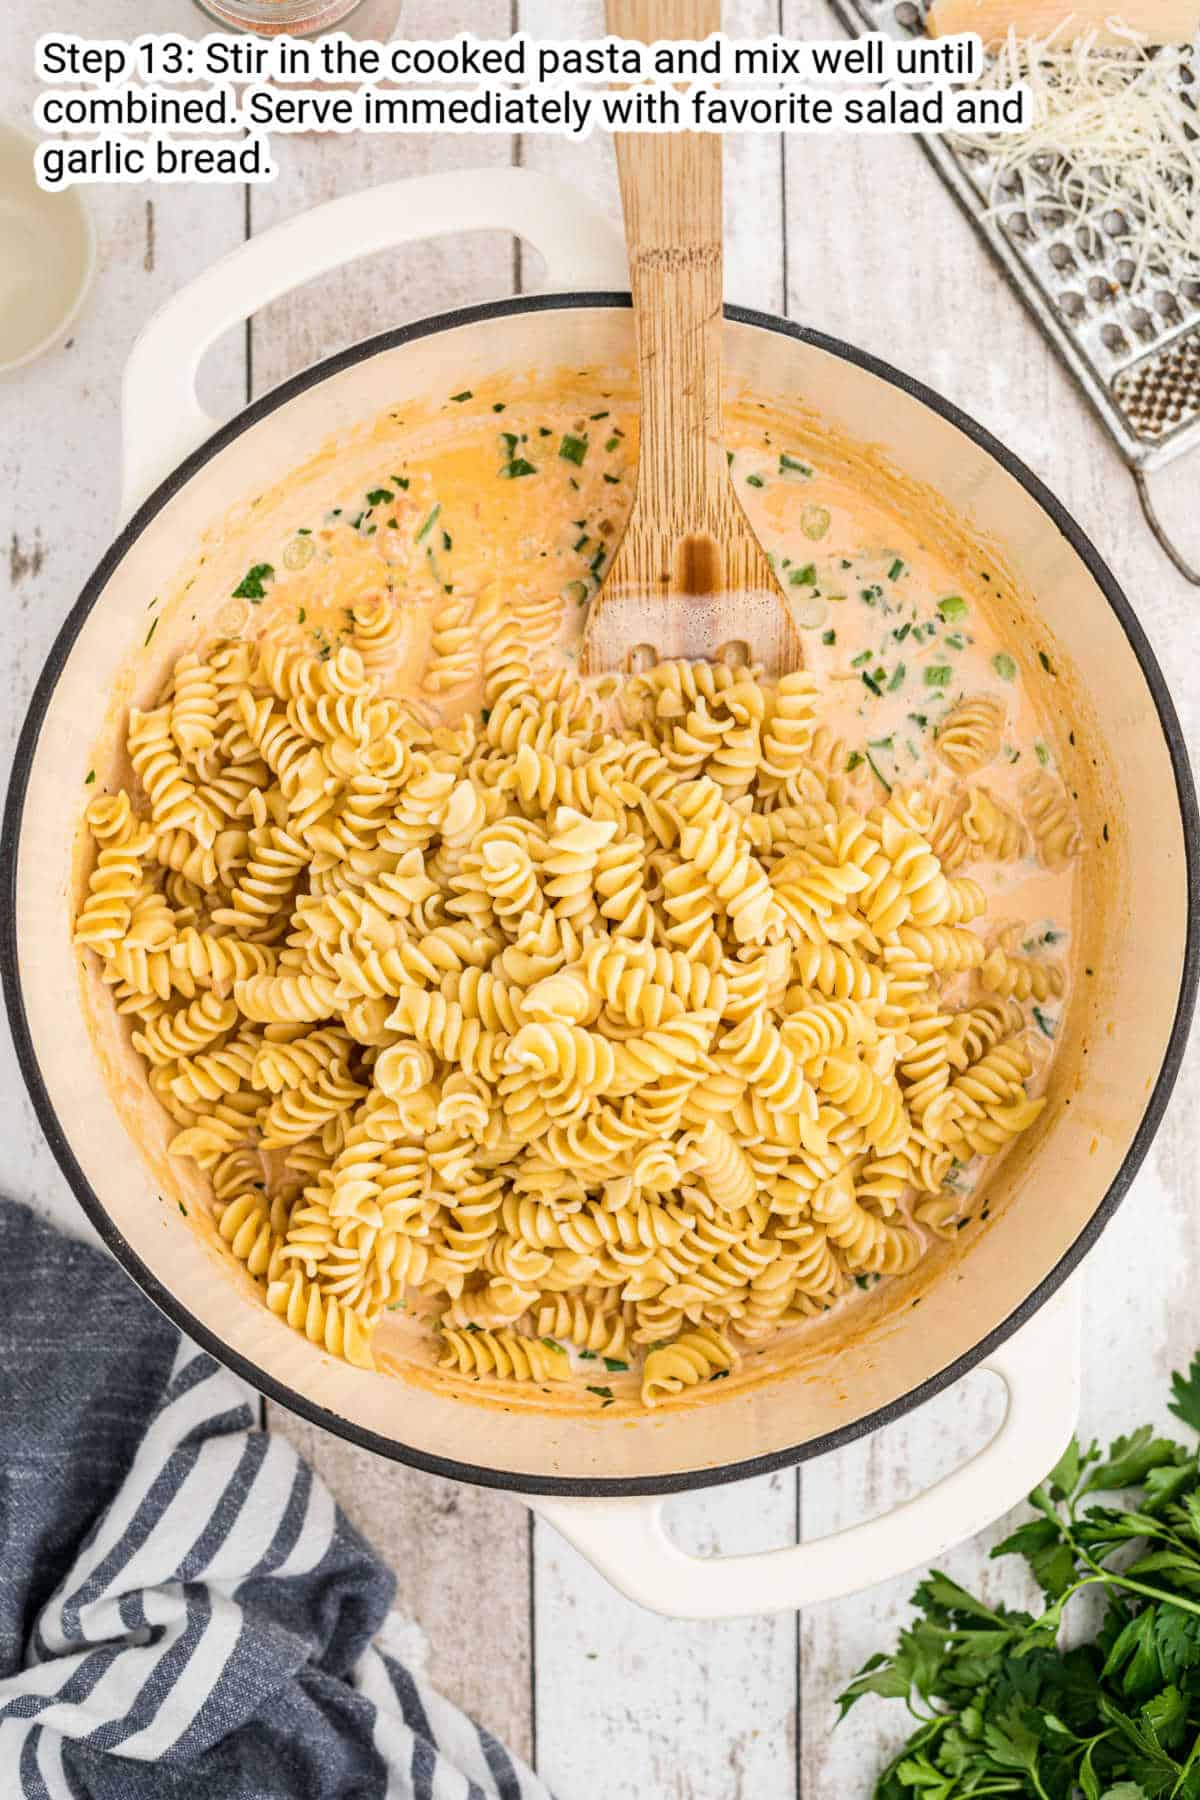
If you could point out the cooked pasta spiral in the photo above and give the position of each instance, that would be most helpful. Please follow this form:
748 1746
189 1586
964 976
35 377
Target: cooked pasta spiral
623 1022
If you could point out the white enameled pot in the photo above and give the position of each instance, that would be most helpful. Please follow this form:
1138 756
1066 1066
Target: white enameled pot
602 1480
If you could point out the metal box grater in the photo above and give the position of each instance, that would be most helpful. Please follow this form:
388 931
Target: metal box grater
1135 354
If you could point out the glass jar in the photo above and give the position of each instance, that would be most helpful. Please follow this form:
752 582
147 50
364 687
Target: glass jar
299 18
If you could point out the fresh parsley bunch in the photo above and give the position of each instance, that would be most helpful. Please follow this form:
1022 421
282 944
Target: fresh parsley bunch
1004 1710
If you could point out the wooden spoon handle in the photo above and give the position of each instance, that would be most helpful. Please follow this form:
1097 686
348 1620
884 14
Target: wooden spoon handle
671 193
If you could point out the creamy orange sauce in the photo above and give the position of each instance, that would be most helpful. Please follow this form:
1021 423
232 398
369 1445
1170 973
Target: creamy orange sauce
527 502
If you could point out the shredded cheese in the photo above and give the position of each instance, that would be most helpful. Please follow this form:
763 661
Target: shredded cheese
1116 115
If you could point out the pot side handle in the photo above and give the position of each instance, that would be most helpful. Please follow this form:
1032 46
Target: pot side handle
162 419
627 1542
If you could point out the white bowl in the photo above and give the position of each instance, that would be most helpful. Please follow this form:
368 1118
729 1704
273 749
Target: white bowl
47 254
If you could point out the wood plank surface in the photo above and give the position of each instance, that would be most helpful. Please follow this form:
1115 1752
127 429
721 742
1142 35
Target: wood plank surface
856 236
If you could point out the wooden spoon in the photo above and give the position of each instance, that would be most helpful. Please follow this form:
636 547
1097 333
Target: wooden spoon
689 578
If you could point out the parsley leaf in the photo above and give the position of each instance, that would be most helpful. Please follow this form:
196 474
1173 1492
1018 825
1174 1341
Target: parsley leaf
1104 1704
250 587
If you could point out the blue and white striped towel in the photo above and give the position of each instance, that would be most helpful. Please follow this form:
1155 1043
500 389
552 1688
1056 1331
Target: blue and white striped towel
184 1610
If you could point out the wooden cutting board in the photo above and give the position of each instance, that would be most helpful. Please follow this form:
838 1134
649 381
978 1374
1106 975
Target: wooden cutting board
1161 21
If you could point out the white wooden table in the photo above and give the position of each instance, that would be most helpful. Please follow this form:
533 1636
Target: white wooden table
854 235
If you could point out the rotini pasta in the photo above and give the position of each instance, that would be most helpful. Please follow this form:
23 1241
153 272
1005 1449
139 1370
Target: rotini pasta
622 1024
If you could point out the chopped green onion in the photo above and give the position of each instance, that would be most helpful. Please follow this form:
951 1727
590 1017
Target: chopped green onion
614 1365
829 637
1046 1026
872 681
878 773
897 677
896 570
1042 754
853 760
815 521
938 675
1004 666
952 607
465 395
605 1393
89 778
805 577
791 465
429 522
612 443
754 481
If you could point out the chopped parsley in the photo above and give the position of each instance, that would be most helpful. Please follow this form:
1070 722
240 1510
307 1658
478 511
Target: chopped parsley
553 1344
301 615
1004 666
754 481
516 467
1045 662
498 405
614 1365
793 466
612 443
805 577
829 637
605 1393
89 778
380 496
250 587
573 449
465 395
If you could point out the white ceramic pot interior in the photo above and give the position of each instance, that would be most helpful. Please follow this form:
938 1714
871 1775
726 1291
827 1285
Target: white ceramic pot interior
1131 934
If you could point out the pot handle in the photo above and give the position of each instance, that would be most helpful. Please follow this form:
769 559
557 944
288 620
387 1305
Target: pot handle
162 419
627 1542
